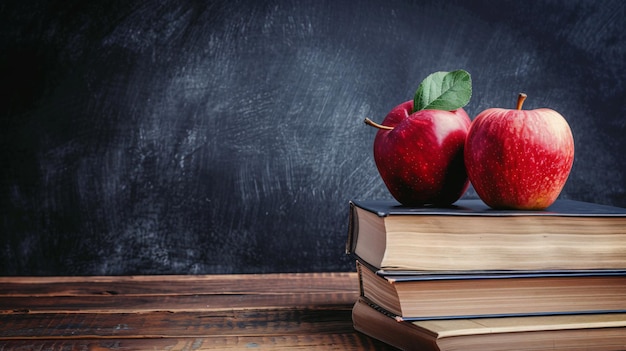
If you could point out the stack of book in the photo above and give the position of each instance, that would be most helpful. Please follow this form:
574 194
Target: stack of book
471 278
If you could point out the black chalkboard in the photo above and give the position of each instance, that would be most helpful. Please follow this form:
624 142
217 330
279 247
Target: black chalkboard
192 137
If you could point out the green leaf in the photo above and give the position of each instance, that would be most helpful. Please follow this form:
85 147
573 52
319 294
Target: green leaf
443 91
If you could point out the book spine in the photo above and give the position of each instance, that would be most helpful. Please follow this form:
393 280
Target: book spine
353 228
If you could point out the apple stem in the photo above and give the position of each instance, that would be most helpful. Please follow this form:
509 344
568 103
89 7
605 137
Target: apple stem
369 122
520 100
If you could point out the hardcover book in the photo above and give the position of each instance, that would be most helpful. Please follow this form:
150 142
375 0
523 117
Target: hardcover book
469 235
598 332
431 296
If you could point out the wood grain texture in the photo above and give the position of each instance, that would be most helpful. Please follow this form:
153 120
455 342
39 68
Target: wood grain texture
223 312
177 284
349 342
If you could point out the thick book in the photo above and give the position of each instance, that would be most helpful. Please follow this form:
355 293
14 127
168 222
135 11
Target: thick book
470 236
598 332
494 294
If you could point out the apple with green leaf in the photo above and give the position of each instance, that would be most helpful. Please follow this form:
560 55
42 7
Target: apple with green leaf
519 159
418 149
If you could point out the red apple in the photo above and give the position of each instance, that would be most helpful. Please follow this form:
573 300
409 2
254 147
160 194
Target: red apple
420 155
519 159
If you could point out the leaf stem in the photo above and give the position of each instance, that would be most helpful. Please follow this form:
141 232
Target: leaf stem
520 100
369 122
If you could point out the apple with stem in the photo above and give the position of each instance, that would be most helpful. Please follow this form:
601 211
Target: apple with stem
418 148
519 159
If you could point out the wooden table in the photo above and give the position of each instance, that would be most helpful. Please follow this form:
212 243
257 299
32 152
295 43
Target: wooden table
254 312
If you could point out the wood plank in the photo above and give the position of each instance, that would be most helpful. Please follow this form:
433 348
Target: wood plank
171 303
178 285
340 341
179 324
